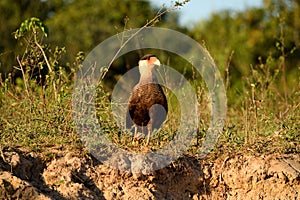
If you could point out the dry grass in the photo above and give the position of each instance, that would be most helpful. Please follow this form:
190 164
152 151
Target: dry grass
263 116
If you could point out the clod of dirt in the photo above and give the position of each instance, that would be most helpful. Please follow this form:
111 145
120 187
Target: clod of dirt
12 187
259 177
67 175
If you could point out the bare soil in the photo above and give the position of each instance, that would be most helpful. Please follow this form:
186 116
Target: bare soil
63 174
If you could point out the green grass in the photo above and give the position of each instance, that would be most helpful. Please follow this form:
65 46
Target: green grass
35 121
263 114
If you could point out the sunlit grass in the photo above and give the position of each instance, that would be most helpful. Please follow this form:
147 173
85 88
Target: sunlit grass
262 115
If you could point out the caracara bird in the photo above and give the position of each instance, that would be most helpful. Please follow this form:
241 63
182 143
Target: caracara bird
147 105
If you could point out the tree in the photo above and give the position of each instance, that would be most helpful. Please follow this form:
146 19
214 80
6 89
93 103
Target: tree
254 37
81 25
77 25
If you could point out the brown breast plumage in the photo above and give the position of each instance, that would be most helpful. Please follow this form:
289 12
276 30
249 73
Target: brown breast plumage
147 104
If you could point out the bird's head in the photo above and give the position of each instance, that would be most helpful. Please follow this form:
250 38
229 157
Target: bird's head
147 62
146 68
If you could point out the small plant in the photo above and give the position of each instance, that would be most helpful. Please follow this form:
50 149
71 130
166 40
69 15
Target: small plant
36 107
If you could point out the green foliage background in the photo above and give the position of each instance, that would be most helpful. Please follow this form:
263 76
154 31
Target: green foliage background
256 50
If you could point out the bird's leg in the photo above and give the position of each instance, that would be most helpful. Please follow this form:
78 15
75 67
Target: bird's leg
149 127
134 135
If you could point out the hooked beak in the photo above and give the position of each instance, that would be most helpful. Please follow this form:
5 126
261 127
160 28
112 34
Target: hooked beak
157 62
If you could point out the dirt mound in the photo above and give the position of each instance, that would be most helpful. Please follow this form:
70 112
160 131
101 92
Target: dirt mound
67 175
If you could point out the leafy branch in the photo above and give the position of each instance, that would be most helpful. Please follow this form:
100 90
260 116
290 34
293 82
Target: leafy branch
34 25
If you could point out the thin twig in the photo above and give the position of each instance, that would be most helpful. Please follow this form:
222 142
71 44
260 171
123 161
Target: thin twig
227 85
151 22
47 63
24 77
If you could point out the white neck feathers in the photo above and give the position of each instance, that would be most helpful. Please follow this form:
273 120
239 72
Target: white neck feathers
147 73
